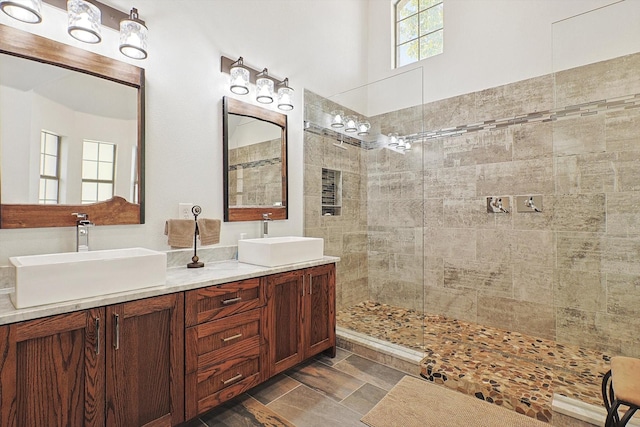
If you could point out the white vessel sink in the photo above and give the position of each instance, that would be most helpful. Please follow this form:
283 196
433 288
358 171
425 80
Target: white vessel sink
276 251
51 278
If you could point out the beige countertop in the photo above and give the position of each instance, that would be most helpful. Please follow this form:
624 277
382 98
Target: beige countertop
178 279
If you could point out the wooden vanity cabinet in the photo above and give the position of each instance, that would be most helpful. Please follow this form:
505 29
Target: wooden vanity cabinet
119 365
225 343
301 313
145 362
52 371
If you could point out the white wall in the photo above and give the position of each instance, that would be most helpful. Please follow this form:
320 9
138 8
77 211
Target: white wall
487 43
318 44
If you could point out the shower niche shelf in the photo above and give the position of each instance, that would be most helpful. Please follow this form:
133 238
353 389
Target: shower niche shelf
331 192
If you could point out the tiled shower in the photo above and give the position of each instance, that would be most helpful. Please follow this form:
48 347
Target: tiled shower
415 235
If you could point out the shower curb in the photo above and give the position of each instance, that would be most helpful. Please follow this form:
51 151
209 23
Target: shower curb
582 411
401 358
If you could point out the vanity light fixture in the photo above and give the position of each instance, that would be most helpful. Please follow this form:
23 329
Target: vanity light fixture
242 75
407 146
264 87
285 94
239 78
84 21
363 127
401 144
350 124
337 119
393 140
28 11
133 36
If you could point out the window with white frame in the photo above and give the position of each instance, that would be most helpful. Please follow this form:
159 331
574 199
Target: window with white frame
419 29
98 171
49 168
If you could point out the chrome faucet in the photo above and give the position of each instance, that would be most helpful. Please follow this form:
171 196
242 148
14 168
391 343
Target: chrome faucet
82 231
266 217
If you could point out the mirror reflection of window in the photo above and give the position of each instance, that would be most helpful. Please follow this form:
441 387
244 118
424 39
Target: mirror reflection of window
49 168
98 171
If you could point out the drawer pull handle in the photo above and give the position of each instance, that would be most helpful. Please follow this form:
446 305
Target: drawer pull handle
232 379
97 335
232 300
231 338
116 331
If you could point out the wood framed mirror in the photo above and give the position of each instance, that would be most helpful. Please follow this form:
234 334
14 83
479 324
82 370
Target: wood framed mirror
88 107
254 162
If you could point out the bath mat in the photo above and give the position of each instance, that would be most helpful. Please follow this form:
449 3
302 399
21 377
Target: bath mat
414 402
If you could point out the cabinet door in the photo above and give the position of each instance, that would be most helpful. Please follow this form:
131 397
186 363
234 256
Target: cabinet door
284 304
319 306
52 371
145 362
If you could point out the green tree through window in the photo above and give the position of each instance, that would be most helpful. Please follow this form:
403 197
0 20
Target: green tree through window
419 30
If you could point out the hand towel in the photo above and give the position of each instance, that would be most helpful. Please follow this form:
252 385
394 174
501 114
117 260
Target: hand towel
209 230
180 232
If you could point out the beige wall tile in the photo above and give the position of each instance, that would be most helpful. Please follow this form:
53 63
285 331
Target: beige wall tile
582 290
621 255
453 303
579 135
623 294
451 112
523 97
533 283
489 279
532 141
623 214
601 80
580 212
518 177
450 243
479 148
622 129
579 251
459 182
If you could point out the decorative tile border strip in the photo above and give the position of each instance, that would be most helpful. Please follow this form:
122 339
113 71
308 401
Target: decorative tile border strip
256 164
626 102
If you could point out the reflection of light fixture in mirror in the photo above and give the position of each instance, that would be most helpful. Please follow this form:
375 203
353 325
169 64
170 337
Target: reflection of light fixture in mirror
285 102
133 36
363 128
264 87
393 140
84 21
239 78
337 119
23 10
350 124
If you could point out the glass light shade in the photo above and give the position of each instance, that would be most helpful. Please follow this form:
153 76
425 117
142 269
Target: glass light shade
28 11
239 80
407 146
401 143
363 128
350 124
285 102
133 36
84 21
264 90
337 118
393 140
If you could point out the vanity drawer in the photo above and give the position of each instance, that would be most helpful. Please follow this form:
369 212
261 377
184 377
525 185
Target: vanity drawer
215 302
210 386
209 343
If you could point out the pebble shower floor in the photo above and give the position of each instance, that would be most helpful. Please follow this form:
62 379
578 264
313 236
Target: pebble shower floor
518 371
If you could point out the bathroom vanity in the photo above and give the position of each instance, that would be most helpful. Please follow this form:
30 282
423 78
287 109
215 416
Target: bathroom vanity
163 355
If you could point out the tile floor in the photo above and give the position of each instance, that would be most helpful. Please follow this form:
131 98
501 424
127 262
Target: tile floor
517 371
322 392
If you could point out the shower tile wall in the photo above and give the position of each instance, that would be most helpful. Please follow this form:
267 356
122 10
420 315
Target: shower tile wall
255 174
571 272
344 235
